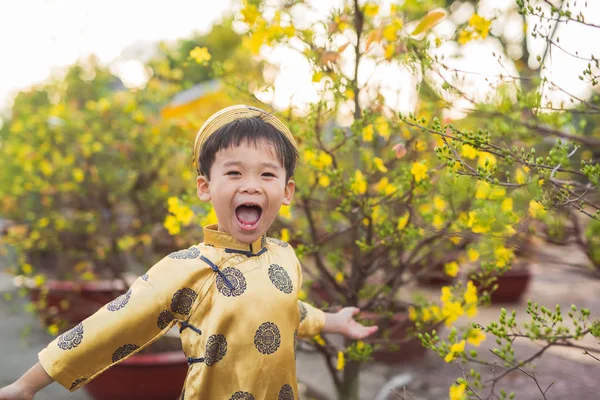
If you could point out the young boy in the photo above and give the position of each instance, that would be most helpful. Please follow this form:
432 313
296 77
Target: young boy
234 296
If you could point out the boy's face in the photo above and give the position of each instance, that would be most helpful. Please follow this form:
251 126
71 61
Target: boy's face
247 187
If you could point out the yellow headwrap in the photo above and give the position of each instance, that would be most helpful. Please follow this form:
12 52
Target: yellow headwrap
230 114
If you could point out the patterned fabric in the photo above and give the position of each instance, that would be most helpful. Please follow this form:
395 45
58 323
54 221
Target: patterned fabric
278 242
71 338
182 301
243 338
124 351
267 338
280 279
144 277
237 280
119 302
186 254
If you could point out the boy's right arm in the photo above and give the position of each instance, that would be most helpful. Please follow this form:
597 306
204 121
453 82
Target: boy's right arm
28 385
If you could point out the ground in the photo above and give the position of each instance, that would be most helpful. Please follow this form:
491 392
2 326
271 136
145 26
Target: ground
557 279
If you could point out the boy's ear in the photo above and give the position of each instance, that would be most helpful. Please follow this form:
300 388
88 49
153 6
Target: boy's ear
203 188
290 187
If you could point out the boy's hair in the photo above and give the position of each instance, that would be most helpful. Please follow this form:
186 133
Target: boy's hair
253 131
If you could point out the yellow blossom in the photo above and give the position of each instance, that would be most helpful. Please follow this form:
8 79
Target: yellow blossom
285 212
389 50
536 210
507 204
323 160
457 391
402 221
250 13
340 361
53 329
473 255
451 269
471 293
520 176
503 256
419 171
285 235
172 225
488 158
360 345
371 10
439 203
319 340
455 350
380 165
475 337
451 311
324 181
465 36
367 133
446 296
359 186
302 295
309 155
210 218
200 55
469 151
481 25
438 221
339 277
27 268
382 127
78 175
412 313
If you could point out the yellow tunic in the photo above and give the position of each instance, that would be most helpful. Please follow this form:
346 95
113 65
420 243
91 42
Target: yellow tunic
238 307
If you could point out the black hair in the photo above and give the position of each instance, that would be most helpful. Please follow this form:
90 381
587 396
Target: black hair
253 131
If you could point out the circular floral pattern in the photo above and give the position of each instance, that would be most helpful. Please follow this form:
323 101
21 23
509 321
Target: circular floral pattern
216 348
145 277
124 351
280 278
302 310
186 254
286 393
72 338
267 338
182 301
77 383
119 302
164 319
278 242
236 278
242 396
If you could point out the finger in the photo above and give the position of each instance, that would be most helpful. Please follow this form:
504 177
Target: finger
355 310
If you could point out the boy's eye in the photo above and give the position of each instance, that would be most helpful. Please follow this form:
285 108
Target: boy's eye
269 174
232 173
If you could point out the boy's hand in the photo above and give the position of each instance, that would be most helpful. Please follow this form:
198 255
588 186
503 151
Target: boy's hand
344 323
15 392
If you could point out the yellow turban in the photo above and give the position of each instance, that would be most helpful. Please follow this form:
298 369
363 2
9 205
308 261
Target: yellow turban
230 114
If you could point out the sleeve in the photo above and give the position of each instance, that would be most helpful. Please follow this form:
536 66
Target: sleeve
312 319
123 327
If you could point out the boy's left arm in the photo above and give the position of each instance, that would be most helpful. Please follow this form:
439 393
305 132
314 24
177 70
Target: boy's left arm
343 322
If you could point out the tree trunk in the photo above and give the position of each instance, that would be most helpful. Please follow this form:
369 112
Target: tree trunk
350 383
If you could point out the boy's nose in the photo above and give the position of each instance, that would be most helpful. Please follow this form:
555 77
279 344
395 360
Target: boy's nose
251 189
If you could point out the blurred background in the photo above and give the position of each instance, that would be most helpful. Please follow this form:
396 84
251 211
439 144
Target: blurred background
449 173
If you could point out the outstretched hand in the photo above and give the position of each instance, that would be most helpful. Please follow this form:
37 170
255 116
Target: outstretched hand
15 392
343 322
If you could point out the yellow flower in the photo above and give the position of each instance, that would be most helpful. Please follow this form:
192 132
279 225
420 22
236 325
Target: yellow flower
481 25
39 280
172 225
465 36
419 171
451 311
455 350
285 212
340 361
78 175
403 221
319 340
250 13
200 55
503 256
53 329
27 268
457 392
339 277
536 210
483 190
367 133
359 186
507 204
451 269
439 203
285 235
309 155
486 157
360 345
371 10
302 295
438 221
471 293
379 165
520 176
323 160
389 51
383 128
473 255
317 76
412 313
446 296
324 181
475 337
469 151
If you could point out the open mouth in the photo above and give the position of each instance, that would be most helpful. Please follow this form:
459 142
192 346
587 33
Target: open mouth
248 215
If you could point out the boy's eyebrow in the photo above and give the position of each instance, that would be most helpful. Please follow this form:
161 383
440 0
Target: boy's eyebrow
238 163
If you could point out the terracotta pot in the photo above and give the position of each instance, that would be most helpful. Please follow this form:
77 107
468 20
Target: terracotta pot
398 347
141 377
436 277
82 299
511 286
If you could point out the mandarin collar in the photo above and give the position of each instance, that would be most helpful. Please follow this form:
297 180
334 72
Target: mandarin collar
216 238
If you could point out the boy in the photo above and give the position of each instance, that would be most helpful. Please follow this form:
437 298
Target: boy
237 292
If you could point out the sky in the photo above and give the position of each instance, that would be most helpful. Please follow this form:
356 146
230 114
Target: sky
38 37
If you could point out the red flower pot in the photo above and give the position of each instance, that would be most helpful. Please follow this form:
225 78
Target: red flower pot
81 299
511 286
142 377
